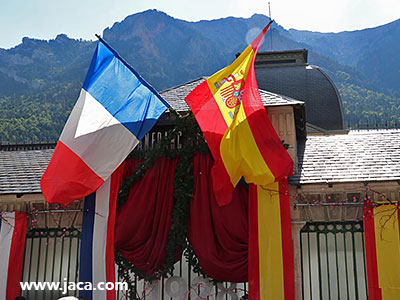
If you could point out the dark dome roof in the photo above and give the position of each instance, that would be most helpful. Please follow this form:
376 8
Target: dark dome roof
292 76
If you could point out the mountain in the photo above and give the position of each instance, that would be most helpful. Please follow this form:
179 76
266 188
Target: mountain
165 50
36 64
40 80
373 51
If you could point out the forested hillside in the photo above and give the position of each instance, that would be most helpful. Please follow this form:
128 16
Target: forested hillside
40 80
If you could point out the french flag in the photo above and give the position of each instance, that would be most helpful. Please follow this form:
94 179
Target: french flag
115 109
97 241
12 246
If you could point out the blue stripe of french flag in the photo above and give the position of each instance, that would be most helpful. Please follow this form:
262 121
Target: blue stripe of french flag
115 109
12 246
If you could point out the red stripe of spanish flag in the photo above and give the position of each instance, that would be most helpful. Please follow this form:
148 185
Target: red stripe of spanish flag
254 251
242 141
382 251
271 273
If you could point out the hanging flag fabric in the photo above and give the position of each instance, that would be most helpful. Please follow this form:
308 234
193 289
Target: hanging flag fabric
97 264
115 109
382 251
240 136
271 269
12 246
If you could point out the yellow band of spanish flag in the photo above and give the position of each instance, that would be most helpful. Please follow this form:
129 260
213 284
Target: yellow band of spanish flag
271 272
382 249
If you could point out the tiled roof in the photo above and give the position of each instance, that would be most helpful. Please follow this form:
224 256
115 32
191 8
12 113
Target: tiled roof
20 171
364 155
355 157
175 96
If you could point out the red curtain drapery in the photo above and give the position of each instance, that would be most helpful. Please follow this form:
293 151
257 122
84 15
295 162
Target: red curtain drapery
144 220
218 235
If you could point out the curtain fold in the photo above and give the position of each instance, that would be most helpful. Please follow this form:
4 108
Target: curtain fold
218 235
144 220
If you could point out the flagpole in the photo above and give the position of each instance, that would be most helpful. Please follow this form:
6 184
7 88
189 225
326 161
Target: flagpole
270 19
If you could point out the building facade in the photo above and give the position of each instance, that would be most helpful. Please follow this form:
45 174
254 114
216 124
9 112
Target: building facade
335 171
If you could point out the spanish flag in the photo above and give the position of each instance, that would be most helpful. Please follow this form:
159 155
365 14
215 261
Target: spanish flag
242 141
382 251
271 272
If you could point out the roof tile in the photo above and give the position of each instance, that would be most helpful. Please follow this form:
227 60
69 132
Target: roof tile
360 155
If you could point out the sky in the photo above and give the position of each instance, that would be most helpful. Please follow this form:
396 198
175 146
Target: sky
44 19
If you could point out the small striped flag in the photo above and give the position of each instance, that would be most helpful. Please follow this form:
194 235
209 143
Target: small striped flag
271 270
382 251
12 246
97 263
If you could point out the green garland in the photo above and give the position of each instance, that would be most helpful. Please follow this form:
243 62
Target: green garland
124 269
193 141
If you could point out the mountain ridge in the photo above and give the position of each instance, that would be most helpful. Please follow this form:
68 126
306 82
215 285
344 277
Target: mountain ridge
368 49
45 75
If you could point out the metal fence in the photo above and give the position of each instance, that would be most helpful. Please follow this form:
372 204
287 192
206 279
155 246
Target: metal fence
185 284
52 255
333 261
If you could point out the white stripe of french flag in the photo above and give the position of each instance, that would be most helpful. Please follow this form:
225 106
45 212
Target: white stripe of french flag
97 243
12 246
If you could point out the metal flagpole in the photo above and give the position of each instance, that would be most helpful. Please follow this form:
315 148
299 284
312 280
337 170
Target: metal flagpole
269 8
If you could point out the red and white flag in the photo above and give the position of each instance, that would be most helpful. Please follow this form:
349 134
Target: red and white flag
12 245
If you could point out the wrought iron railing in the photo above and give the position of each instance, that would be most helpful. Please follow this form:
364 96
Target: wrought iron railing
51 255
183 284
333 261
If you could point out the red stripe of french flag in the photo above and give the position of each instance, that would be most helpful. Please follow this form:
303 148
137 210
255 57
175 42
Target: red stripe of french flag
77 177
12 246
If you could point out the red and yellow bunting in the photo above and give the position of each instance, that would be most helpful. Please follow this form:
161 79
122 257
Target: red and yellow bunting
382 250
271 270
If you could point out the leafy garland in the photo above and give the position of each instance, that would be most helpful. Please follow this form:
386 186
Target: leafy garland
187 128
193 141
